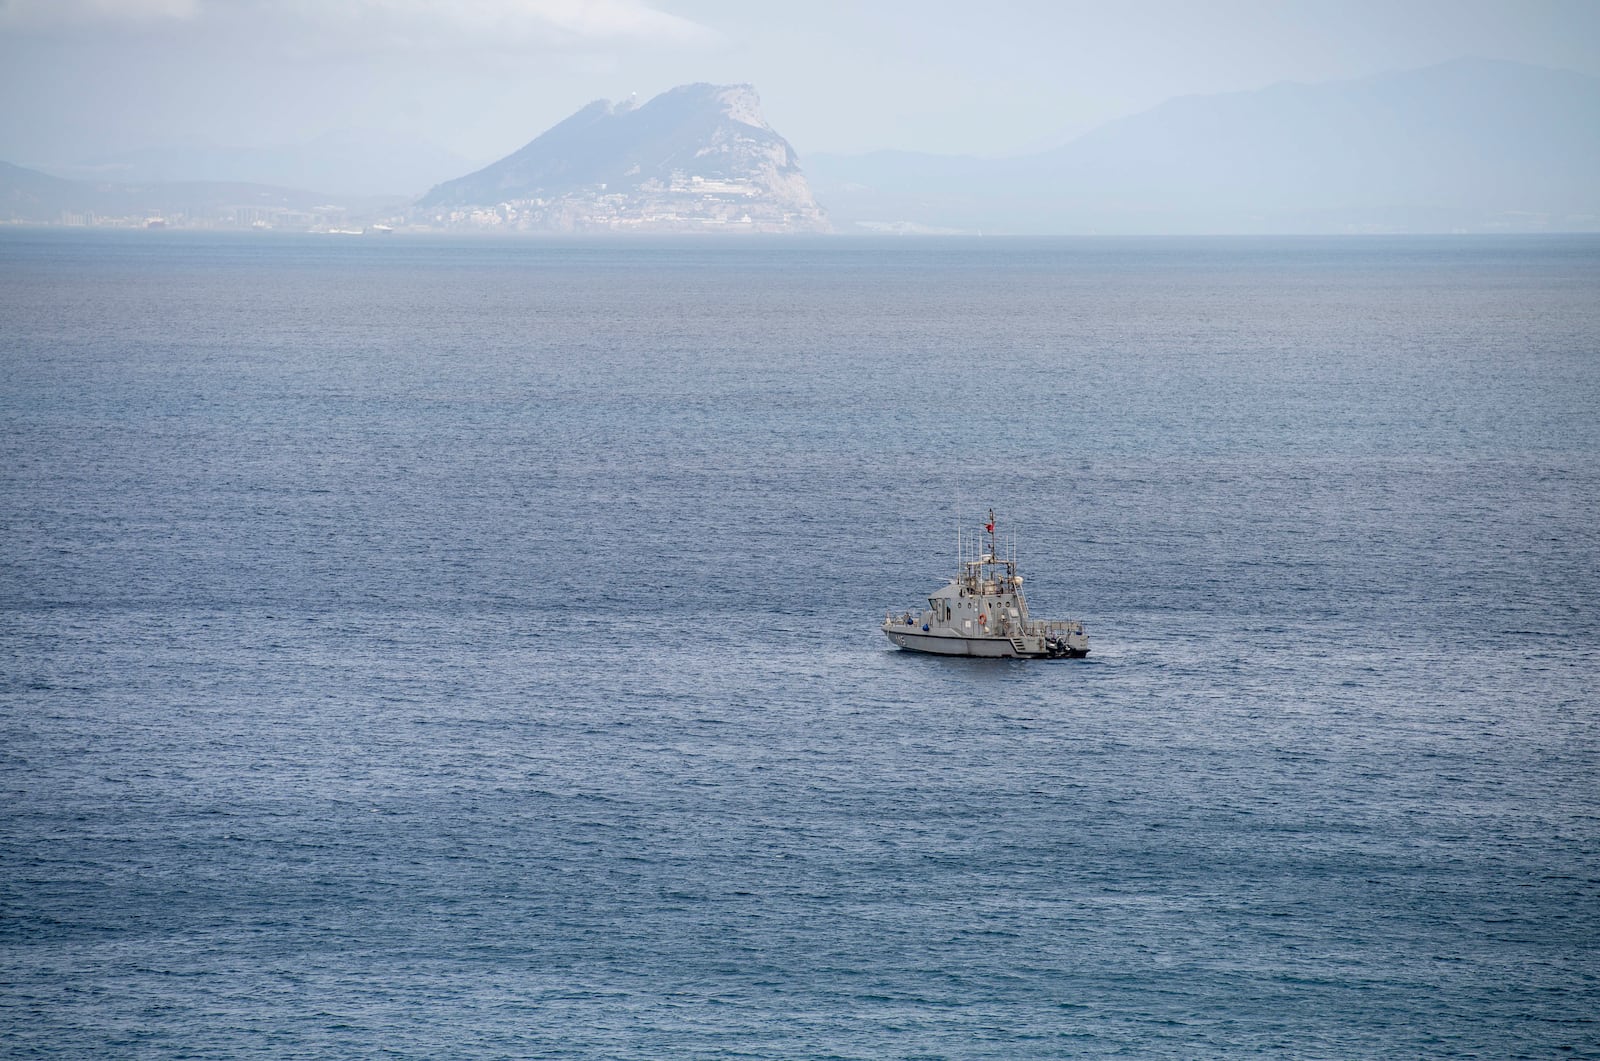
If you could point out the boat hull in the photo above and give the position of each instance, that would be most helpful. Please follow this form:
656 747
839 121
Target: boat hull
913 640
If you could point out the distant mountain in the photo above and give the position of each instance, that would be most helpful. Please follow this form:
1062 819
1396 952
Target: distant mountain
29 196
1476 145
356 162
1471 145
697 157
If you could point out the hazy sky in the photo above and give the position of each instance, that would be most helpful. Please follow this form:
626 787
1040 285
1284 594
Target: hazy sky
82 78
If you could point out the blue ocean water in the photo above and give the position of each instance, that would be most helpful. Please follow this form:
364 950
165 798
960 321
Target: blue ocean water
415 648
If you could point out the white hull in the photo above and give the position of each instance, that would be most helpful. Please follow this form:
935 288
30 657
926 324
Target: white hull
914 640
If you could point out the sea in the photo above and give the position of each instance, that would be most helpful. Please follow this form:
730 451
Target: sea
469 648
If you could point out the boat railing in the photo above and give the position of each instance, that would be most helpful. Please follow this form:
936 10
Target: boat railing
1056 627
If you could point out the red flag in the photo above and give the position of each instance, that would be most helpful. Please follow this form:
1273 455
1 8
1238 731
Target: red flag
989 527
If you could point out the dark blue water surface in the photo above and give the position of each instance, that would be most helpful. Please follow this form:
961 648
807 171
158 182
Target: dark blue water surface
469 649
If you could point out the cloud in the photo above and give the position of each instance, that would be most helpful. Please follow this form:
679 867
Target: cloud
342 27
334 26
509 22
56 14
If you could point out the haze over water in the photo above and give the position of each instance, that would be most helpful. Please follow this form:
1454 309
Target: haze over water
422 648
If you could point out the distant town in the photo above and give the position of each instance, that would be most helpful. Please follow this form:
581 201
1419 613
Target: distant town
682 202
336 222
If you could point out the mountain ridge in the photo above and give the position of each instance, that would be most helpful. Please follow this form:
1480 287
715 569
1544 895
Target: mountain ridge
1470 144
363 164
694 156
29 196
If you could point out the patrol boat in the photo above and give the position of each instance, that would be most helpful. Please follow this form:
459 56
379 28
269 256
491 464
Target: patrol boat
981 612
